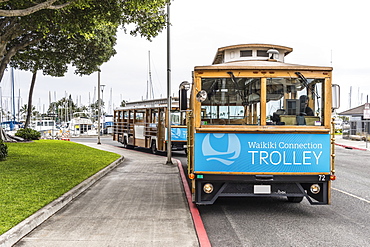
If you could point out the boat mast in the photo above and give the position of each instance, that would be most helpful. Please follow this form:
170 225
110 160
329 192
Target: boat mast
149 85
13 97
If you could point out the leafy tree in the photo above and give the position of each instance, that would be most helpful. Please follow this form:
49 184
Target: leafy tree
81 33
3 150
52 36
64 108
80 18
23 110
123 103
344 118
52 55
28 134
95 108
31 7
82 109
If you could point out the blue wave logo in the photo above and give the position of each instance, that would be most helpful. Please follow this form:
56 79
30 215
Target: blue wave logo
227 157
179 133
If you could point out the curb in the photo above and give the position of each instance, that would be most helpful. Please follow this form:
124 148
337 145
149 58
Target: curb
350 147
197 220
16 233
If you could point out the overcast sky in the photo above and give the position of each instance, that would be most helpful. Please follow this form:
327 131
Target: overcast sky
323 33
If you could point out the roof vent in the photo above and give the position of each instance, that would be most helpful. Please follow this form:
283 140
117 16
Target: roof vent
273 54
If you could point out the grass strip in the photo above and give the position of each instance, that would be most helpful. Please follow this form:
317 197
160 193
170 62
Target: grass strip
36 173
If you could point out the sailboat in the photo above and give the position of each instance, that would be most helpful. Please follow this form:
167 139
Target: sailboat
149 83
11 126
82 125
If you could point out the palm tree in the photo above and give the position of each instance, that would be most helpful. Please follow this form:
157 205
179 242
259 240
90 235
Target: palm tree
24 109
24 113
94 108
64 108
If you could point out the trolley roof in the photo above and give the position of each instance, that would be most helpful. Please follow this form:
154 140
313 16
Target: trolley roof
152 103
221 52
255 56
261 65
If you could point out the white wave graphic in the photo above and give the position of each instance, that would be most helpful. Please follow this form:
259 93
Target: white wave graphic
233 148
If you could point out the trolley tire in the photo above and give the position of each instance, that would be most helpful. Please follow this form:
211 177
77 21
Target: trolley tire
124 142
153 148
295 199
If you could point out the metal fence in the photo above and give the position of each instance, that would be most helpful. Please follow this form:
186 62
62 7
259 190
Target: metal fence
356 130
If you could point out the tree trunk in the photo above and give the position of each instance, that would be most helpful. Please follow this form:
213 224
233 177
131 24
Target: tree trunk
4 61
48 4
29 105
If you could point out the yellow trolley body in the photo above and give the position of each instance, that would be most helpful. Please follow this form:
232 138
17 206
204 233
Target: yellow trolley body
258 126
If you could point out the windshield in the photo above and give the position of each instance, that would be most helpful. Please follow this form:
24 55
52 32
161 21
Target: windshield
289 101
294 101
229 101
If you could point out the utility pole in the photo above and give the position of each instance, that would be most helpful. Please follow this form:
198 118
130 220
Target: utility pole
169 144
1 104
99 103
102 104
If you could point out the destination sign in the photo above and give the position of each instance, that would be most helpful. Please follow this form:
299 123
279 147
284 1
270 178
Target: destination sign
275 153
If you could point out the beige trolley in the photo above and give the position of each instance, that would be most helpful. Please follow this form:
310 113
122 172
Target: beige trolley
261 127
144 124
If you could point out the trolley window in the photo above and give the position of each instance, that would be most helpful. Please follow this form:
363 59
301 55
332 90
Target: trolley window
237 101
290 101
231 101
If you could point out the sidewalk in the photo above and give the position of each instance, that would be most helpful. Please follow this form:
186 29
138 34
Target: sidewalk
351 144
140 202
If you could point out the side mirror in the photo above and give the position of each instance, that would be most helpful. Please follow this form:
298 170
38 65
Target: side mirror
335 92
201 96
183 99
183 95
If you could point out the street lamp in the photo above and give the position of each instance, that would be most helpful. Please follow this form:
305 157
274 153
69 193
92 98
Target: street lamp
169 144
99 103
102 102
102 96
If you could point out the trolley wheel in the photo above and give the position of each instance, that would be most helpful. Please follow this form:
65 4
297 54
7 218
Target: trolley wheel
124 142
153 147
295 199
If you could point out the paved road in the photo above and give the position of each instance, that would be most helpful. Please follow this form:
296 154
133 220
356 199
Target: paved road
275 222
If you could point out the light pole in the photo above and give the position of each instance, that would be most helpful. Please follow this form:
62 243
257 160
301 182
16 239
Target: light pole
169 144
102 104
1 104
99 103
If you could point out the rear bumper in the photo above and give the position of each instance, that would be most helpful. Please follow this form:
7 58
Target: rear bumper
262 186
178 145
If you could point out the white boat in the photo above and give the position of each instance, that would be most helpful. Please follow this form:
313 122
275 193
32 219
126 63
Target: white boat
43 125
46 127
81 125
108 124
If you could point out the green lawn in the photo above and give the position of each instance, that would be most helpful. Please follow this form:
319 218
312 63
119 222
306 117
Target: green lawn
36 173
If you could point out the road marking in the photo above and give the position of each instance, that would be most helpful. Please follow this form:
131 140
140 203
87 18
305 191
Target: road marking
357 197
